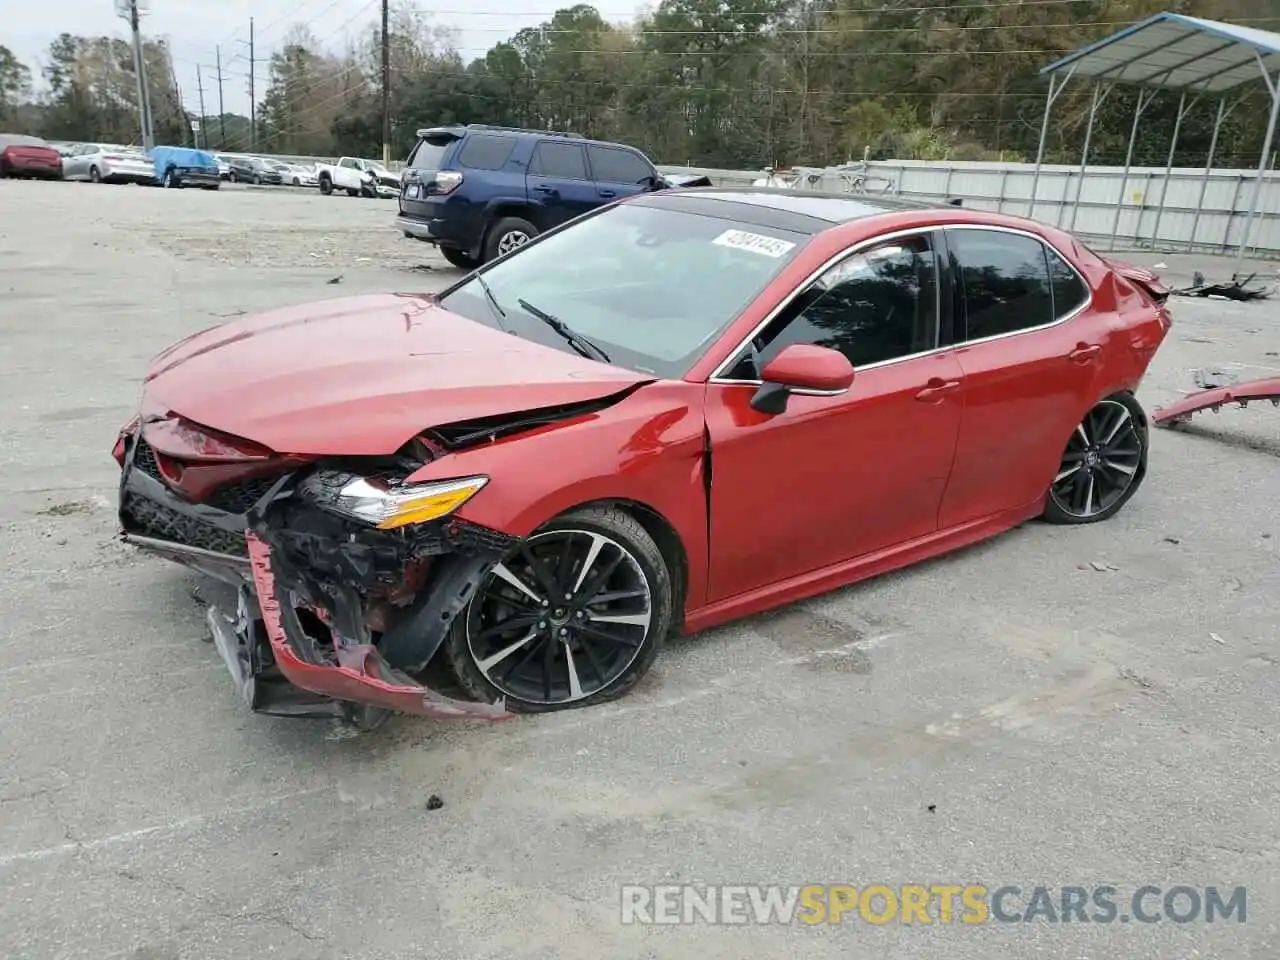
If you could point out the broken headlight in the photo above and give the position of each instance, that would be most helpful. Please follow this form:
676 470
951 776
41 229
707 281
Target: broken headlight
387 506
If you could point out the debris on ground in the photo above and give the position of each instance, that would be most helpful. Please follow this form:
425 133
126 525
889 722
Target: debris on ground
1235 289
1207 378
1174 540
1217 388
434 802
337 279
1217 639
1102 566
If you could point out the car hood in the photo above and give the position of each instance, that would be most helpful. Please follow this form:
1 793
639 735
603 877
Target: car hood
361 376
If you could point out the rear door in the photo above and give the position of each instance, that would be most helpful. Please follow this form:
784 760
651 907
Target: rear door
76 163
618 172
558 183
1031 352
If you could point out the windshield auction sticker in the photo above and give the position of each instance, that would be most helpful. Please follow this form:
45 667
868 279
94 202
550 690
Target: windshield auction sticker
755 242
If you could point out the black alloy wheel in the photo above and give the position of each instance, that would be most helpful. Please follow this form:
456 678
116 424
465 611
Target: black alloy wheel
1103 465
575 615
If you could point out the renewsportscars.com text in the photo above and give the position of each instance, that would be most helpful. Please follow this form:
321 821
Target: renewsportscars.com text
966 904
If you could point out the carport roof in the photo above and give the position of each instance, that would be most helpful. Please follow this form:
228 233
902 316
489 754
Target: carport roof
1177 52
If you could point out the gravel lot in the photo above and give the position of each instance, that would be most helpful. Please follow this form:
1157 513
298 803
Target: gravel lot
1007 715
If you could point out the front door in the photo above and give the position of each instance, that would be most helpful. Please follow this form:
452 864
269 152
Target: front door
558 184
618 172
1031 361
836 477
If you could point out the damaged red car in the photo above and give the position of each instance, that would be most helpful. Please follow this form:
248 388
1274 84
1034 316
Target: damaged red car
681 409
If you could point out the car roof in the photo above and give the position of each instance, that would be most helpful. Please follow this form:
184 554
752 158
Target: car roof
801 211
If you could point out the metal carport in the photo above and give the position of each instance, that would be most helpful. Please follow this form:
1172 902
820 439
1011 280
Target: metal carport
1172 52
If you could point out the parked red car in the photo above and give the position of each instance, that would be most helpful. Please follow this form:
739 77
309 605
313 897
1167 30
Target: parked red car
23 156
674 411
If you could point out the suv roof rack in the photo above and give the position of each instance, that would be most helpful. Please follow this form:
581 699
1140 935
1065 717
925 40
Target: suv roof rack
545 133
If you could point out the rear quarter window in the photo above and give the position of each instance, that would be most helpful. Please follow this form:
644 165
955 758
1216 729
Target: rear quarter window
430 154
484 151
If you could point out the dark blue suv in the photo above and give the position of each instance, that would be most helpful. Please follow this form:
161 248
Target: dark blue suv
479 191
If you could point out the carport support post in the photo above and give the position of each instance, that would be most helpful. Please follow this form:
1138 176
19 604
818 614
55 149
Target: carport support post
1208 171
1055 88
1168 168
1144 100
1274 88
1095 101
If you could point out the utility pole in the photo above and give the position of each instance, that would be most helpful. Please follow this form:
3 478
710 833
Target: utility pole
386 85
253 103
200 89
128 10
222 113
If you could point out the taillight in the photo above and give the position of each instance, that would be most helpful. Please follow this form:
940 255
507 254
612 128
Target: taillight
448 181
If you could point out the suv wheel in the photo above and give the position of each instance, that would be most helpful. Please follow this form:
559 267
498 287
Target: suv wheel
508 234
461 260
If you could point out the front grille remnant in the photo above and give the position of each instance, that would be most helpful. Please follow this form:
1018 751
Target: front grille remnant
241 495
152 519
145 460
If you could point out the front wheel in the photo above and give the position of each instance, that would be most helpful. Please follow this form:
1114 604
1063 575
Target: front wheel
326 186
170 179
508 234
574 616
1103 465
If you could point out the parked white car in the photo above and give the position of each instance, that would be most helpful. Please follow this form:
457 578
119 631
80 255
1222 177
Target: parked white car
108 163
358 177
299 174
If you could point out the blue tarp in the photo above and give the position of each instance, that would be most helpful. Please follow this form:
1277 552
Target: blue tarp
181 157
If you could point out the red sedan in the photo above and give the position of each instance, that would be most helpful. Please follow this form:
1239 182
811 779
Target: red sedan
23 156
674 411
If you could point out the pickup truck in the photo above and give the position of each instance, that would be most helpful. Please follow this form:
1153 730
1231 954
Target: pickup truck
358 177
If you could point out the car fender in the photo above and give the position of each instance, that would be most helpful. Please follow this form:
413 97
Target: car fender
648 449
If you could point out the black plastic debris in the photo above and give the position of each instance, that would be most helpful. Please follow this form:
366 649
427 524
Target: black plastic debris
434 802
1235 289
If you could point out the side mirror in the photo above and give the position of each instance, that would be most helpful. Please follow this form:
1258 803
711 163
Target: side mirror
801 367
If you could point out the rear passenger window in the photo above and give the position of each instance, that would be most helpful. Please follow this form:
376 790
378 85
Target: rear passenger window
486 152
1005 280
1069 291
564 161
611 165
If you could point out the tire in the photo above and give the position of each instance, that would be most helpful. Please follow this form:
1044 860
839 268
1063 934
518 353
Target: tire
170 180
297 182
1103 464
326 186
353 193
639 585
232 177
95 175
503 236
458 258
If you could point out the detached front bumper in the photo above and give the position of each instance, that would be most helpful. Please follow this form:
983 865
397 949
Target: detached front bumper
297 639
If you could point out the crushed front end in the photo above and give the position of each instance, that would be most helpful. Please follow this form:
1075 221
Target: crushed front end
345 579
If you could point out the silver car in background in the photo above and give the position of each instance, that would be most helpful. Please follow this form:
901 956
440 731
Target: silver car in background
108 163
300 174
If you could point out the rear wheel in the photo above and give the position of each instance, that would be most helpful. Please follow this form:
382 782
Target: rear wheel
508 234
95 175
461 260
1103 465
574 616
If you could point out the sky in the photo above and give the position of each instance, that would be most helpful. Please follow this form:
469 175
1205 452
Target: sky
195 28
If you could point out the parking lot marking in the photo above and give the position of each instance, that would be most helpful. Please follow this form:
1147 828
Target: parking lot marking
173 826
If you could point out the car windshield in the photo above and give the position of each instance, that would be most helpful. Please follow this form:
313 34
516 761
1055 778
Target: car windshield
651 286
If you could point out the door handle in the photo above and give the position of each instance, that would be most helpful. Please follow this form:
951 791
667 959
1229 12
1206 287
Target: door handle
608 193
546 189
1084 352
937 388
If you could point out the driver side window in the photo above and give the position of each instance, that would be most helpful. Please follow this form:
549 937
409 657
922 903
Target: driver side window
876 305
